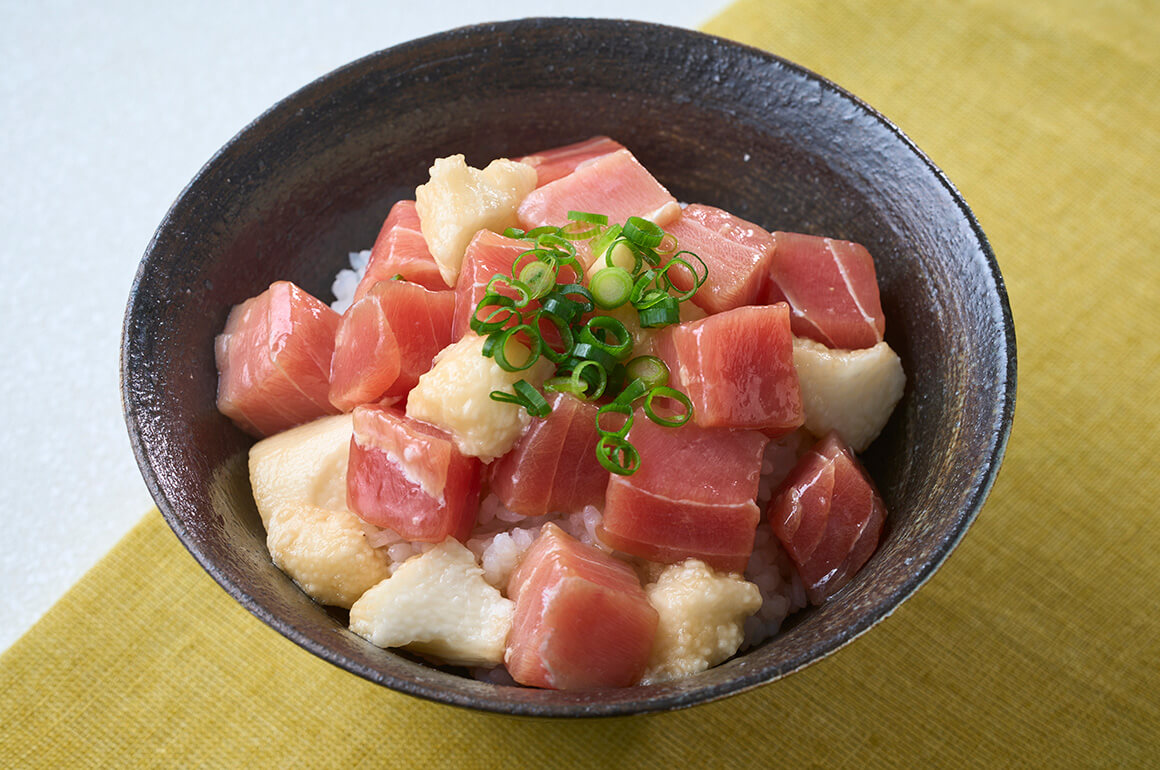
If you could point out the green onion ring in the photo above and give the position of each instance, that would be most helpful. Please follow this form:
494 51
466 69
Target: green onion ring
615 408
673 394
611 287
650 370
617 455
495 346
601 326
643 232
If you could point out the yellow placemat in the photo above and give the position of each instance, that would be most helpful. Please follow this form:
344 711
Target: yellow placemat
1036 644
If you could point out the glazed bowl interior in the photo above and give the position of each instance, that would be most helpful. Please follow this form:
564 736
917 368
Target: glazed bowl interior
718 123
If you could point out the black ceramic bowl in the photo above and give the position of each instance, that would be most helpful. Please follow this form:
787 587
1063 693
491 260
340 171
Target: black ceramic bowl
716 122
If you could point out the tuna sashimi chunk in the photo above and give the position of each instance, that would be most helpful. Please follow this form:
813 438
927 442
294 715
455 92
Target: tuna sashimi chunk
582 620
386 340
736 253
487 254
831 288
829 516
615 184
693 495
273 360
737 369
553 467
401 250
552 164
409 476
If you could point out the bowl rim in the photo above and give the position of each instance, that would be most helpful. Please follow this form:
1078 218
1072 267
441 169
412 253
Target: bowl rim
646 703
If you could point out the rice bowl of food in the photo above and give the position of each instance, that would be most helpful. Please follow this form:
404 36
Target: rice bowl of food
418 390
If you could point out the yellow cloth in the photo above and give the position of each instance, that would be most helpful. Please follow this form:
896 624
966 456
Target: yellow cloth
1036 644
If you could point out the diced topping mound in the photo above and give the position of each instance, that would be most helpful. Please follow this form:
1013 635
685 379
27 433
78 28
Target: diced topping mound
828 516
852 392
459 201
582 620
456 396
702 619
410 477
273 360
437 604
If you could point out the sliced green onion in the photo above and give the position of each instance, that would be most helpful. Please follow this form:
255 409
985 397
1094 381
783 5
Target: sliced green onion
631 393
643 232
495 346
590 352
698 278
588 379
617 455
624 410
513 232
611 287
584 216
570 290
516 285
663 313
567 340
650 370
600 328
601 242
539 277
503 312
526 396
674 395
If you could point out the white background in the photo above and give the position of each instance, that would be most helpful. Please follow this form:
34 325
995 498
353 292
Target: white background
106 111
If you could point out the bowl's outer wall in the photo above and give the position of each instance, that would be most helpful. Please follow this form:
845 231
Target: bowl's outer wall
719 123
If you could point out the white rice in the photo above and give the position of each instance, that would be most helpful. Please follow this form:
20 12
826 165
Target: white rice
347 281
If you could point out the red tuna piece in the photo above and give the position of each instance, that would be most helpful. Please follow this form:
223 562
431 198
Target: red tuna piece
828 516
401 250
831 288
487 254
614 184
582 620
693 496
735 251
273 360
557 162
553 467
737 368
409 476
386 340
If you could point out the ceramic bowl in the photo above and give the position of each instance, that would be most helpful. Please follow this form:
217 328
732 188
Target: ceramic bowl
717 122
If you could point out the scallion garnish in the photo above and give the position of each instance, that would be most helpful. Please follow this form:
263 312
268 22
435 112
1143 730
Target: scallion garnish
638 257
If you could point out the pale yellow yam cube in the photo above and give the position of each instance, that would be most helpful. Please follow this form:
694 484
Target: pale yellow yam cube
459 201
852 392
455 395
702 619
305 465
325 552
437 604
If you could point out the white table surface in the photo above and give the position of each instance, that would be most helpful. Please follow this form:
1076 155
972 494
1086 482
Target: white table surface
106 111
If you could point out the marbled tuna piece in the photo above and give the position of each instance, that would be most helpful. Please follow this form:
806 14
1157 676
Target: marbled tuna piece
487 254
693 496
553 466
582 620
386 340
737 368
558 162
614 184
831 288
736 253
273 360
828 516
401 250
409 476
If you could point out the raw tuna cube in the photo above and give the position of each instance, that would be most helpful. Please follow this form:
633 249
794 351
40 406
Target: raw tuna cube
693 495
615 184
828 516
831 288
557 162
386 340
737 368
582 620
736 253
409 477
401 250
273 360
553 466
486 255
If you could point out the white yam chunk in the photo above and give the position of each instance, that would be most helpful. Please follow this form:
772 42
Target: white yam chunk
455 395
437 604
303 465
702 619
325 552
850 391
459 201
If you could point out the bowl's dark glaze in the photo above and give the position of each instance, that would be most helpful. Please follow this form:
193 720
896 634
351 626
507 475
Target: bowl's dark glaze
716 122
